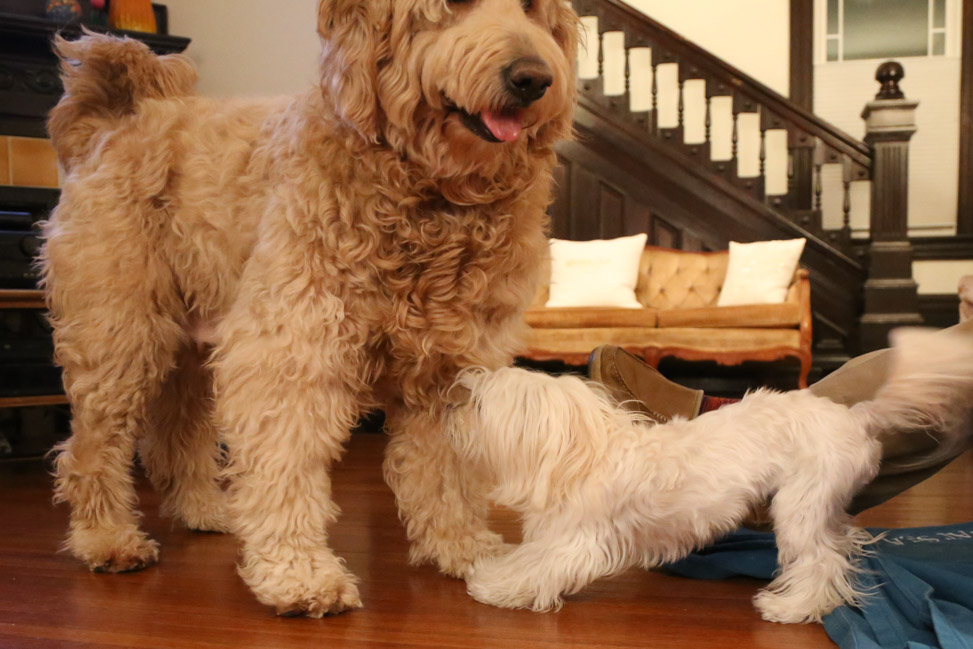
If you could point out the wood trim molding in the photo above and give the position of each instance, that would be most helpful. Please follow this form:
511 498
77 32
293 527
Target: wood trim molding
939 310
40 400
964 216
802 54
938 248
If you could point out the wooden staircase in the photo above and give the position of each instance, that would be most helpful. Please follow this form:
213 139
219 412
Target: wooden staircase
632 171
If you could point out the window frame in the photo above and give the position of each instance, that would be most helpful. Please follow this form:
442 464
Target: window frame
948 31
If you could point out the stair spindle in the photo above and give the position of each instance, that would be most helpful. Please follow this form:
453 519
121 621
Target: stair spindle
601 54
628 72
735 139
763 151
846 200
791 173
817 186
708 122
654 123
682 103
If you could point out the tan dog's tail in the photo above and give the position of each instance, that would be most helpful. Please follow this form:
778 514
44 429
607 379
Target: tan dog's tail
104 79
929 390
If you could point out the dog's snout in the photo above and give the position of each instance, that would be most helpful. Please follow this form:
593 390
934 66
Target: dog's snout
528 79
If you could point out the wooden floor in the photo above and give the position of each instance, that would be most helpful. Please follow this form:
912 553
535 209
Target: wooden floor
193 597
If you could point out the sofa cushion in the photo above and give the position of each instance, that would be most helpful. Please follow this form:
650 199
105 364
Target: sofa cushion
755 315
569 317
760 272
602 272
674 279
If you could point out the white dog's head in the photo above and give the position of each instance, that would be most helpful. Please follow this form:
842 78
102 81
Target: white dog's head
460 86
536 436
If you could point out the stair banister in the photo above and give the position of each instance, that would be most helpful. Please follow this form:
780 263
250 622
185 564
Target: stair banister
890 295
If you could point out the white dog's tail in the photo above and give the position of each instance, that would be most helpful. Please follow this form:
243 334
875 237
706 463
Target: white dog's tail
929 389
104 78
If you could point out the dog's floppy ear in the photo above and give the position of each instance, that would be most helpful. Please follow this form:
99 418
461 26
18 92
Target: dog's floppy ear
354 39
567 31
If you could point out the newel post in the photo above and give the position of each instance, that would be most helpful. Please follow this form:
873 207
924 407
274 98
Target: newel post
890 298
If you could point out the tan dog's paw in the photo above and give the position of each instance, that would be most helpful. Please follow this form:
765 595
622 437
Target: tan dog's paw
114 551
335 600
457 559
313 586
209 516
217 524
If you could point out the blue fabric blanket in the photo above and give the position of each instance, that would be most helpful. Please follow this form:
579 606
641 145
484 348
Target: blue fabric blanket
922 582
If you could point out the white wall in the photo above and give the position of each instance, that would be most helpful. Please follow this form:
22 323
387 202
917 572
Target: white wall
940 276
752 35
258 47
249 47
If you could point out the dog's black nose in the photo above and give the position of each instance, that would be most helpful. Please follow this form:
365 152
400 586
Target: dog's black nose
528 79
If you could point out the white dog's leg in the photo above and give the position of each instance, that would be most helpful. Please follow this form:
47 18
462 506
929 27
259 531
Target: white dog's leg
444 511
181 451
537 573
818 552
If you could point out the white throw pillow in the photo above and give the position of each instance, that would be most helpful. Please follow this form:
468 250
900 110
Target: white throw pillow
602 272
761 272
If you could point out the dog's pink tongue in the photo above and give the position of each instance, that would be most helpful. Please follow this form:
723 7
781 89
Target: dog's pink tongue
505 127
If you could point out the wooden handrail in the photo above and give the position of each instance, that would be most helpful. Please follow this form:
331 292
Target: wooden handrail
21 299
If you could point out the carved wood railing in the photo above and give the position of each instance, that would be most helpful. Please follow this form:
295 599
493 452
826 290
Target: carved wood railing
812 143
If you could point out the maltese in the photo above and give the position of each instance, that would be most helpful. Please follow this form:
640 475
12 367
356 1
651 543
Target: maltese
600 489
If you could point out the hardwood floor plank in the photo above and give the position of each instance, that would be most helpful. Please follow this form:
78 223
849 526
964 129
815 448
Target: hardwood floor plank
194 599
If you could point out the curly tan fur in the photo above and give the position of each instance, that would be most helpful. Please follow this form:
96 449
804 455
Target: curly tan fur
353 247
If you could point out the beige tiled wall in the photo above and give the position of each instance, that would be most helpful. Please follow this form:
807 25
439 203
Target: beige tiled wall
27 162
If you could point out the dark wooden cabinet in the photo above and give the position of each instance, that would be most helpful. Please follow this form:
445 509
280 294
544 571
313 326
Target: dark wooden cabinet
32 404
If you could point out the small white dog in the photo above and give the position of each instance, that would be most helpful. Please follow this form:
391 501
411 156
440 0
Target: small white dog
599 492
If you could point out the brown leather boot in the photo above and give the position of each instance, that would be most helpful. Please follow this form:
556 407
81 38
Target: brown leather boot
639 387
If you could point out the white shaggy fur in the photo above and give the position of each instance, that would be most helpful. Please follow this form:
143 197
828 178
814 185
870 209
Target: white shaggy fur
601 490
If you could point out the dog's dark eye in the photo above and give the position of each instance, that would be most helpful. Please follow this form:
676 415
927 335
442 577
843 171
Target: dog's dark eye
527 4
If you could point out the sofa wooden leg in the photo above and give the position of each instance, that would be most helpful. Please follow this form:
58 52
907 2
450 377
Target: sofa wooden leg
652 356
805 370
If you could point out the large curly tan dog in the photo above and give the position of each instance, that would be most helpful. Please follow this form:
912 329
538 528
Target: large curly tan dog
349 248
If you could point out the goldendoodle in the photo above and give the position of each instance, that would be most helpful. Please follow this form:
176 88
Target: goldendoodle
263 271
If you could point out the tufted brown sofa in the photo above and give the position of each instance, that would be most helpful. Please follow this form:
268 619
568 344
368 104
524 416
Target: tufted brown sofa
678 291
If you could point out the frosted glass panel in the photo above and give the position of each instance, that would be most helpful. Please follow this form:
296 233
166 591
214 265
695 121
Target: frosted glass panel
833 17
939 13
876 29
832 49
939 44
